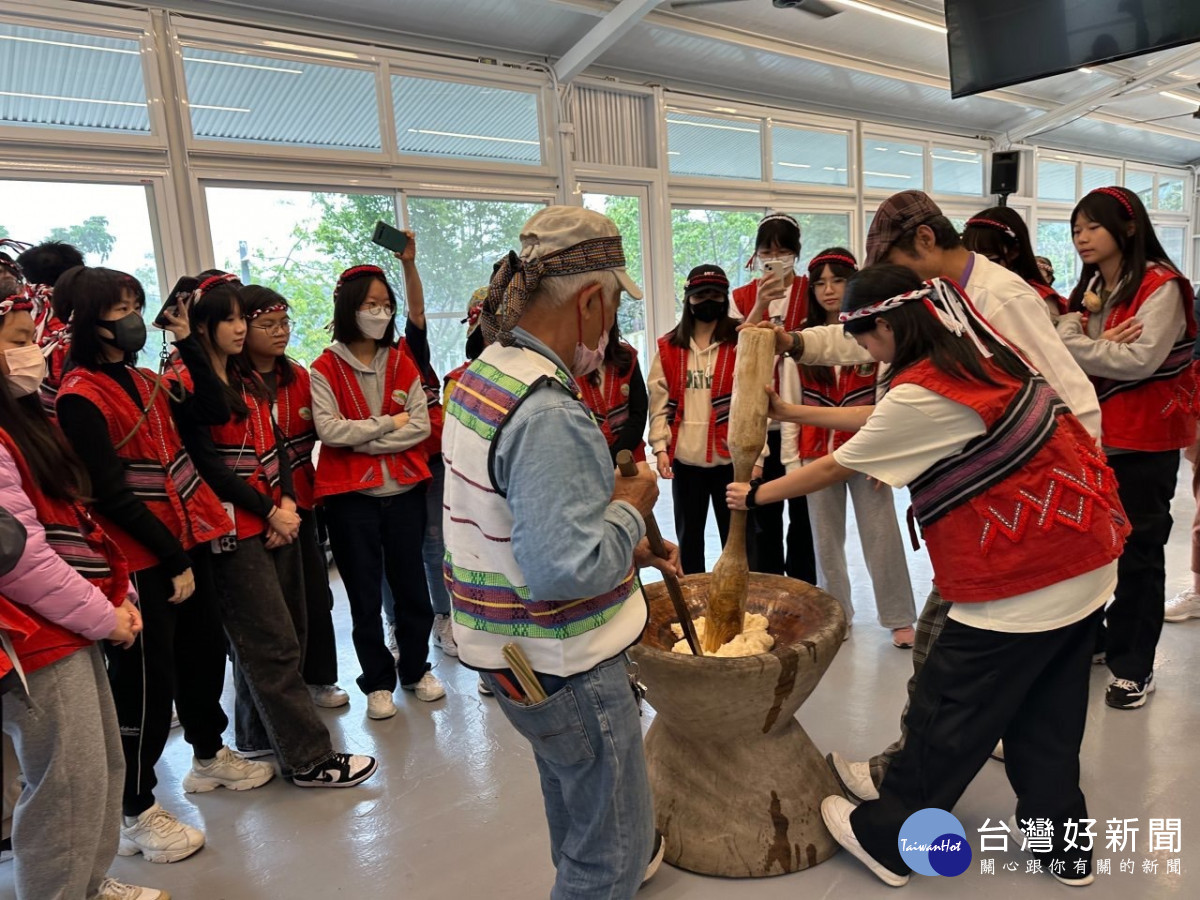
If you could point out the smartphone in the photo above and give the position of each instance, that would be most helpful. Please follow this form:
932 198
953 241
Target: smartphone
171 304
389 238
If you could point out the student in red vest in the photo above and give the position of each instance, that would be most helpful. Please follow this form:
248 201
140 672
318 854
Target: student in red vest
616 394
1002 475
68 588
245 462
1000 234
781 297
691 387
147 494
42 265
1132 330
268 330
371 415
836 388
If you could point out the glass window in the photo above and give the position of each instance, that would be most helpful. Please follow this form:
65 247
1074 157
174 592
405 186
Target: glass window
1142 184
809 156
626 211
957 171
820 231
1170 193
264 100
297 242
466 121
109 223
1172 239
720 148
60 79
457 242
1099 176
724 237
1056 181
893 165
1054 242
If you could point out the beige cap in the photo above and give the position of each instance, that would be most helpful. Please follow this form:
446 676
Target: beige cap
580 240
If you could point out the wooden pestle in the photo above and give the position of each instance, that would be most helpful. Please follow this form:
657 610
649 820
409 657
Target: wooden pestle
747 434
629 469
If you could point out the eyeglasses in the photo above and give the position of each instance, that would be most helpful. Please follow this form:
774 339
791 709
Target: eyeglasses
372 307
284 327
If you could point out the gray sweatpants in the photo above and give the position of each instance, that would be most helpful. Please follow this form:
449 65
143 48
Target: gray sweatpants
883 548
67 822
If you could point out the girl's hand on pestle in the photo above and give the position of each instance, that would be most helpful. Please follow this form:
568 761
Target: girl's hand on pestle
783 337
777 409
735 494
644 557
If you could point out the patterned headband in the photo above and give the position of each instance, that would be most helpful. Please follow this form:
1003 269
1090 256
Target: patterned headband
356 272
516 280
273 308
1119 195
825 258
992 223
209 283
778 217
21 302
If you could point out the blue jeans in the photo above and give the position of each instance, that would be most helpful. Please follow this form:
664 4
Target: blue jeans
587 740
433 550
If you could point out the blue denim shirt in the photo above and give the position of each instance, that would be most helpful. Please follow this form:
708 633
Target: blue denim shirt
553 463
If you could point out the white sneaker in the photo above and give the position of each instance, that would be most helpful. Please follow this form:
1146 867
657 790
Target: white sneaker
443 635
254 754
159 836
111 889
1183 606
855 777
656 857
389 632
836 813
483 688
339 771
227 770
328 696
427 689
1078 881
380 705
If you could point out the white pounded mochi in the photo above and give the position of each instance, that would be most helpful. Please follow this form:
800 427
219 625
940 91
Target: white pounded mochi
753 639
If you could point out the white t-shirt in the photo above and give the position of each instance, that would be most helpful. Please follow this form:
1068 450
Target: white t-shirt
912 429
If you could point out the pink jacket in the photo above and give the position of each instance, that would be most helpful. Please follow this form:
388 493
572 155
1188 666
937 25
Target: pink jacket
42 581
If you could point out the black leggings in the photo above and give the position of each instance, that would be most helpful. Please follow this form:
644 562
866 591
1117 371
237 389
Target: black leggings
693 489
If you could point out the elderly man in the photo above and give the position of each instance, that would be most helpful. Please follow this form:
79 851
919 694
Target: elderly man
543 544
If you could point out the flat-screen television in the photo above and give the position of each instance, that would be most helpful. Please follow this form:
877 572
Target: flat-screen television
994 43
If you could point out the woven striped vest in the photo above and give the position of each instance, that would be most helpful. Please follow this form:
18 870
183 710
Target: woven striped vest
491 601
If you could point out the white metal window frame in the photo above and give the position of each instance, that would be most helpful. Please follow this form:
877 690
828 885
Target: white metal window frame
926 140
121 24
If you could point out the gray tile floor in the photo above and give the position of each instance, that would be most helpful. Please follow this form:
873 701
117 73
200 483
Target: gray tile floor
455 811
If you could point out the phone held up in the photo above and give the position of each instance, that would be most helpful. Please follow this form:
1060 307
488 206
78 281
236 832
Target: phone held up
389 238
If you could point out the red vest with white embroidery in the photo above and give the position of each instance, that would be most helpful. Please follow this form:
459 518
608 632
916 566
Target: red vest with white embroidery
793 319
158 470
249 448
432 445
675 369
1157 412
1026 505
294 416
852 386
1048 293
609 402
341 470
55 343
75 536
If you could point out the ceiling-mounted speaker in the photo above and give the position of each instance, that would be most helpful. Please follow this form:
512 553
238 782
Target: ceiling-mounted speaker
1006 172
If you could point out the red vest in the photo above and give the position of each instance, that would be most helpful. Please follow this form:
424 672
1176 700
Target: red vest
158 470
19 625
1156 412
75 536
1048 293
56 337
609 402
674 362
853 386
433 402
745 296
1026 505
341 470
249 448
294 416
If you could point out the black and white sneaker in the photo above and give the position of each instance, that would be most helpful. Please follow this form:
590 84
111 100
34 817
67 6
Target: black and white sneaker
656 857
339 771
1126 693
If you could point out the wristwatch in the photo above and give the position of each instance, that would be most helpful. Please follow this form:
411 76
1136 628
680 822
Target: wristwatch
751 502
797 346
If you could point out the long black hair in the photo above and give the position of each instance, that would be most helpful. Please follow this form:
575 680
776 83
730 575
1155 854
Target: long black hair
726 330
919 334
816 312
255 298
982 236
90 293
1114 209
218 302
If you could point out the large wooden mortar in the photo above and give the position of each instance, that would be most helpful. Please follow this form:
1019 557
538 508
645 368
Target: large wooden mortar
737 782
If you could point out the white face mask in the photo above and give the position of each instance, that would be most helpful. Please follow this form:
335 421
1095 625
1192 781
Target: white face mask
373 323
26 369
